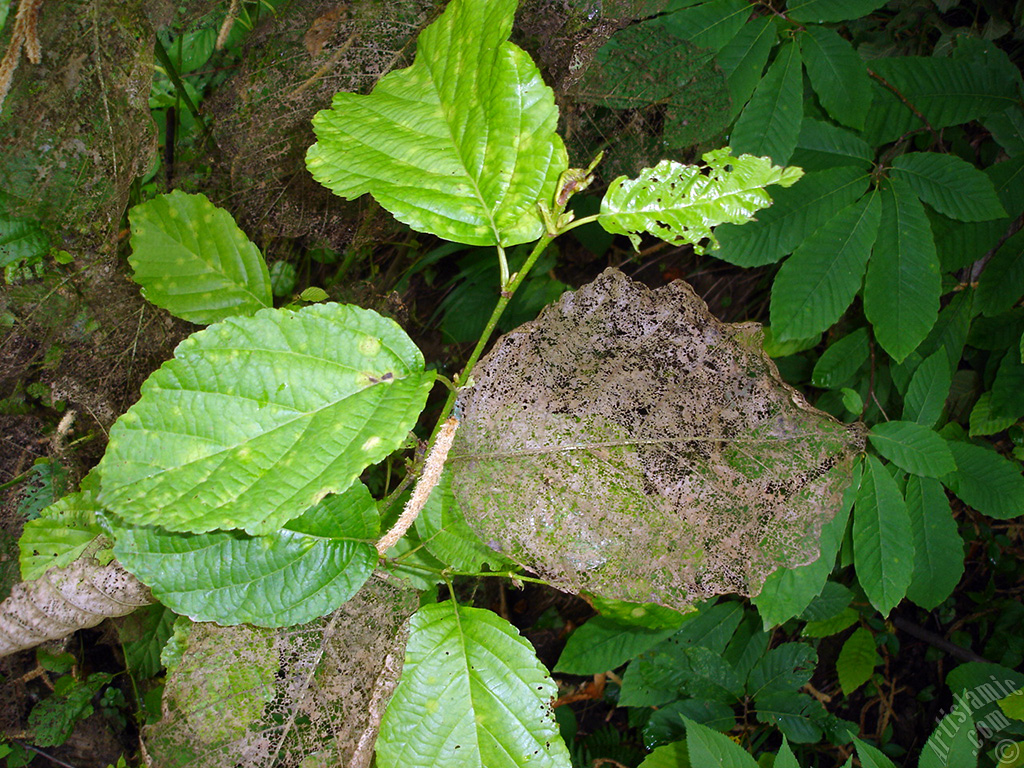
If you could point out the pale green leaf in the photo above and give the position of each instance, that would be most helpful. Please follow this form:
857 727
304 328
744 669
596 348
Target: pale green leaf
462 144
60 535
818 282
837 74
472 694
822 145
913 447
710 25
603 644
711 749
857 660
986 481
831 10
785 757
770 123
674 755
191 259
680 203
743 59
954 742
883 540
938 548
307 569
256 419
796 214
902 287
950 185
1013 705
841 360
644 615
928 390
872 757
983 421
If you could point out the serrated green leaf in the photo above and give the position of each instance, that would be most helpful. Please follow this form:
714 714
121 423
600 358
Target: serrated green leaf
902 287
796 214
938 548
680 203
831 10
256 419
797 715
785 758
837 74
462 144
818 282
832 625
883 540
871 757
986 481
770 123
928 390
471 690
666 723
833 600
841 360
674 755
60 535
822 145
714 750
857 660
306 570
999 286
784 668
951 186
983 421
748 644
191 259
603 644
446 535
20 238
953 742
743 59
144 634
1008 386
710 25
913 447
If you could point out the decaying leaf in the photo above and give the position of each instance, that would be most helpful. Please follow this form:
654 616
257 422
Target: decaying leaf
629 444
311 695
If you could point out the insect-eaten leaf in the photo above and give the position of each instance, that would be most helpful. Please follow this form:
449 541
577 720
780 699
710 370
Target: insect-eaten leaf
628 444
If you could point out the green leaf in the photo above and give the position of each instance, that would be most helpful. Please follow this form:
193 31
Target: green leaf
831 10
953 742
833 600
680 203
871 757
674 755
770 123
666 723
999 286
928 390
951 186
256 419
797 715
938 548
857 660
20 239
604 644
983 421
1008 386
832 625
743 59
60 535
986 481
306 570
446 535
883 540
841 360
902 287
644 615
191 259
1013 705
796 214
913 447
462 144
471 687
837 74
710 25
822 145
785 757
710 749
783 669
818 282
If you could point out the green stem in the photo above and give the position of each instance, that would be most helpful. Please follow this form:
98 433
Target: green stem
579 223
448 574
172 72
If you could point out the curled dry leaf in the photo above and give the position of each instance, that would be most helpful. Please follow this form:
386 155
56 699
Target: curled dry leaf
629 444
64 600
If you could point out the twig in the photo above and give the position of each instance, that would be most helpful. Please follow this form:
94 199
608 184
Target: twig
907 103
964 654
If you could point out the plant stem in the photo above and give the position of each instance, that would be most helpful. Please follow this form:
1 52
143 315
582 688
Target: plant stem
447 574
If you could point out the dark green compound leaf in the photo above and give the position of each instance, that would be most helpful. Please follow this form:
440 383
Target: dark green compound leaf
1008 386
666 723
841 360
710 25
883 539
822 145
307 569
680 203
604 644
795 215
999 287
818 282
743 59
770 123
831 10
950 185
857 660
986 481
471 688
913 447
256 419
938 548
785 668
837 74
462 144
710 748
928 390
902 287
191 259
797 715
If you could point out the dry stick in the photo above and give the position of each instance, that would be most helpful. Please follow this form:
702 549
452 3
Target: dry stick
432 469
